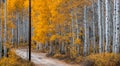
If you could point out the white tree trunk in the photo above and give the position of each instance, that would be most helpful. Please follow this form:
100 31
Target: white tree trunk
99 26
93 23
114 27
103 25
5 27
23 30
107 26
72 27
88 39
117 25
77 26
110 24
85 28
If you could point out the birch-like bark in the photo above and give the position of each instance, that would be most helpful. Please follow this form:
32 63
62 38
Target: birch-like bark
72 27
103 25
85 28
114 27
117 26
77 26
107 26
23 27
5 27
87 31
25 30
88 38
17 20
99 26
93 23
110 24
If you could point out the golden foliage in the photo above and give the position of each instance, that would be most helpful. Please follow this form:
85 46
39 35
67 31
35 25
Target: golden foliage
77 41
13 60
104 59
9 61
53 37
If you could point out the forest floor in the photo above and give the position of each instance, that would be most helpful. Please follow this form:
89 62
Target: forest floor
40 59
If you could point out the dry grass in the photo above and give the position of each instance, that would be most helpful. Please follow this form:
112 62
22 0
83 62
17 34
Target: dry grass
104 59
13 60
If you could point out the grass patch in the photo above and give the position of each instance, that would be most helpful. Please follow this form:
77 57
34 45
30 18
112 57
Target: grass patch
14 60
104 59
68 59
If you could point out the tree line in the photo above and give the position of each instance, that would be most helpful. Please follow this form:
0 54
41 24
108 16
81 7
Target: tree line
71 27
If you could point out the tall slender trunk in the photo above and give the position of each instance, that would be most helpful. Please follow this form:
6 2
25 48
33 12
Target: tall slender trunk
17 20
110 24
62 48
46 44
5 27
93 23
18 28
107 26
114 27
103 25
88 39
51 52
0 29
12 30
85 28
87 31
99 26
26 31
117 26
77 28
23 28
72 27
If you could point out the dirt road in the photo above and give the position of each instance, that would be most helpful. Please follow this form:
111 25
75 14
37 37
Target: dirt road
40 59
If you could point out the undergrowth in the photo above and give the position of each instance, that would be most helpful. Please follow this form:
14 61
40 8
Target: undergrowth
14 60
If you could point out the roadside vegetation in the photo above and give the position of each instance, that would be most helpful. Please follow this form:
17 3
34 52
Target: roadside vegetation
14 60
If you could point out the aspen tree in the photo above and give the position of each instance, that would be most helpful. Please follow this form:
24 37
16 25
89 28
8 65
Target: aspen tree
93 24
114 27
85 27
117 48
5 27
107 26
0 28
100 26
103 24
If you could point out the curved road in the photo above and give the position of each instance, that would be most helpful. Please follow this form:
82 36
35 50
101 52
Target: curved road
40 59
